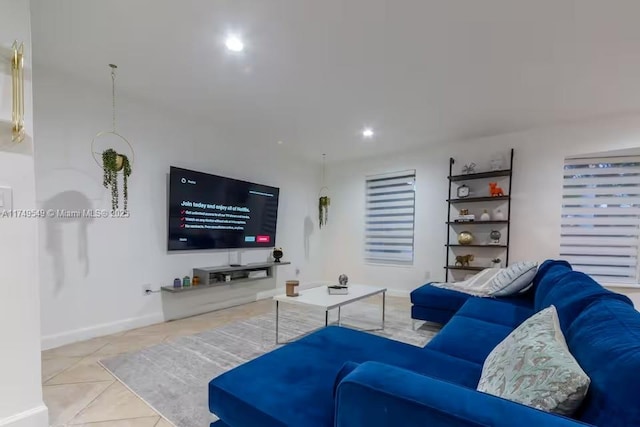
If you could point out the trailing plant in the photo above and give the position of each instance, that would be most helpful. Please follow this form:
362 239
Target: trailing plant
323 210
112 163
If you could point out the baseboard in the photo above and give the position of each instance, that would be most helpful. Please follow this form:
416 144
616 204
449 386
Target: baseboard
35 417
57 340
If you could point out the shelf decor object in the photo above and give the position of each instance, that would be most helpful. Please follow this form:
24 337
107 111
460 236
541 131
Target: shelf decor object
498 184
17 82
226 275
465 238
324 200
111 161
291 286
277 254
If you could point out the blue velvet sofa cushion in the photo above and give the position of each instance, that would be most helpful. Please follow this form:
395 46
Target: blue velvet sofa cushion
431 314
439 305
469 339
570 291
605 340
431 296
293 385
378 395
500 312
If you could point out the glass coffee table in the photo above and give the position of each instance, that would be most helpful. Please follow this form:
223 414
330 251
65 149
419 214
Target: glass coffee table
320 298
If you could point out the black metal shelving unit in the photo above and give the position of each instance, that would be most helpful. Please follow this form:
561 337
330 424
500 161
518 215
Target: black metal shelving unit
508 173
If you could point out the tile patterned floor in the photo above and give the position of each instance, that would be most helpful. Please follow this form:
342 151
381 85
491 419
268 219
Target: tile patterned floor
79 392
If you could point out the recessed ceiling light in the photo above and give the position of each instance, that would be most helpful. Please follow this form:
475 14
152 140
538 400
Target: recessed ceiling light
280 142
367 133
234 43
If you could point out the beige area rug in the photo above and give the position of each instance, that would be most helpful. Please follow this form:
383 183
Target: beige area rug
172 377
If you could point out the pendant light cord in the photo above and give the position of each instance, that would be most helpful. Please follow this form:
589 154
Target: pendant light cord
324 158
113 94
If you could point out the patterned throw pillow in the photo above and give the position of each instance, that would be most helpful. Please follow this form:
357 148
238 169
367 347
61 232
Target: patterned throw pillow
513 279
533 366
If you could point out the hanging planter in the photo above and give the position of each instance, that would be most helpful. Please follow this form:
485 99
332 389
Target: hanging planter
323 201
112 163
323 210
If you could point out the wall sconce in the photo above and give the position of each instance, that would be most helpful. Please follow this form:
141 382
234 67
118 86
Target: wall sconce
17 77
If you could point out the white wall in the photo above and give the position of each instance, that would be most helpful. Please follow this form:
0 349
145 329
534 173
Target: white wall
536 204
92 272
20 388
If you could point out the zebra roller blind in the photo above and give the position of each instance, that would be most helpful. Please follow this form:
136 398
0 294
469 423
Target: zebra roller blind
601 217
389 217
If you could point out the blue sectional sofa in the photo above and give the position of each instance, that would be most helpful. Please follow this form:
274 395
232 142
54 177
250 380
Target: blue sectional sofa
342 377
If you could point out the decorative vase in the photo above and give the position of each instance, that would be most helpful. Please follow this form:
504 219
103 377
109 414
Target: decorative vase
485 216
465 238
495 237
498 215
495 264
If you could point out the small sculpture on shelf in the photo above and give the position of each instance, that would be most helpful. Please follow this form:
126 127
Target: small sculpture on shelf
498 215
485 216
340 289
469 168
464 216
463 260
495 190
495 237
465 238
495 263
277 254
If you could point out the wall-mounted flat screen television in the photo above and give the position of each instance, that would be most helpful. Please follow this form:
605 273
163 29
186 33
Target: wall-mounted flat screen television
213 212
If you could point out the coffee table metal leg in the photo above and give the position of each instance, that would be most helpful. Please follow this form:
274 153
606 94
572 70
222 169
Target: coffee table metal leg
277 310
384 298
326 318
339 323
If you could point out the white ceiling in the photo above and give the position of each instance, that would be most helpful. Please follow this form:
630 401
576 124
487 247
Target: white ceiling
314 72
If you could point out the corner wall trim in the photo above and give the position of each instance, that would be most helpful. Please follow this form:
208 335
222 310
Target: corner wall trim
68 337
34 417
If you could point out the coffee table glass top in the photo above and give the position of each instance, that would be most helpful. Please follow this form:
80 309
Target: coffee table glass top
320 297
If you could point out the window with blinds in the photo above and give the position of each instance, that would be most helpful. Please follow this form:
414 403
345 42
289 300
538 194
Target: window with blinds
601 217
389 217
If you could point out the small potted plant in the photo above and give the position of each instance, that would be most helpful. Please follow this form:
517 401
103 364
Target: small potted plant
495 262
112 163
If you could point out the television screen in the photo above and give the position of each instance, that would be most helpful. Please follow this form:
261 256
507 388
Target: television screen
212 212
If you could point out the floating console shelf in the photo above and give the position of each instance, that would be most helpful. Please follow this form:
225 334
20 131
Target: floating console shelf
216 276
